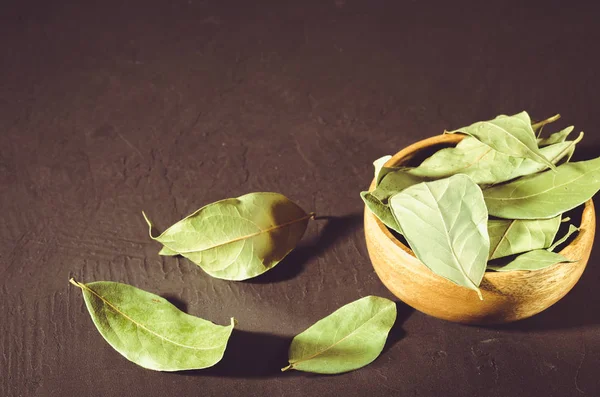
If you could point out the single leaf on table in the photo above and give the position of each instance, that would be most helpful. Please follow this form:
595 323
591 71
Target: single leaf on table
557 137
393 183
572 229
380 169
238 238
532 260
381 211
445 223
149 331
485 165
509 237
349 338
547 194
511 135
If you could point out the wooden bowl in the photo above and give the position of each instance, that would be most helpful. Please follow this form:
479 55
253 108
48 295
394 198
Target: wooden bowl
507 296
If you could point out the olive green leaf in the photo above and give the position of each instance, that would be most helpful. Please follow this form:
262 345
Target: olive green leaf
349 338
511 135
547 194
380 170
238 238
395 182
538 126
149 331
381 211
532 260
509 237
485 165
445 223
557 137
167 252
572 229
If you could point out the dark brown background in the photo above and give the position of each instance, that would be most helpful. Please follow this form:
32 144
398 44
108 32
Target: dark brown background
108 109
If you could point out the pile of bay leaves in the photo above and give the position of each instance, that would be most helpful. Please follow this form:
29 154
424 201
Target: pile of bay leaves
493 202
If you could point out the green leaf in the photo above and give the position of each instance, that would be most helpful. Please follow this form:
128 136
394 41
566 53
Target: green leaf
149 331
393 183
445 223
511 135
167 252
349 338
572 229
547 194
238 238
380 170
557 137
532 260
381 211
485 165
509 237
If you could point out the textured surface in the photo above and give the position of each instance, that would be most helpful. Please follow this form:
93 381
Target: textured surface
117 107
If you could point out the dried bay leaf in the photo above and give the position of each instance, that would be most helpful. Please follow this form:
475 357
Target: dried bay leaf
532 260
485 165
557 137
238 238
509 237
511 135
381 211
380 170
445 223
151 332
546 194
167 252
572 229
395 182
349 338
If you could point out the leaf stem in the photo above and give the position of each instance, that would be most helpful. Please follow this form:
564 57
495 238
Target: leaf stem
544 122
287 368
74 282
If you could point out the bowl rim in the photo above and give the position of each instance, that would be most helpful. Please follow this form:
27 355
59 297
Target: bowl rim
587 217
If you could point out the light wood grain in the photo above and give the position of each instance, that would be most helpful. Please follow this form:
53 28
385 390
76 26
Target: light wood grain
507 296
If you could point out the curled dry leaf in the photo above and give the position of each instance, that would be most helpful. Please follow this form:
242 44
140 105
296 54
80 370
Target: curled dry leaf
547 194
349 338
149 331
238 238
511 135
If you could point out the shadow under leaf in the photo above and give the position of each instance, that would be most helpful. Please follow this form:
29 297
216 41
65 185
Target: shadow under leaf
262 355
336 228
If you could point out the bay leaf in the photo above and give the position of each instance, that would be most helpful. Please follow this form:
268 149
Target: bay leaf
380 170
167 252
485 165
509 237
572 229
532 260
395 182
381 211
511 135
556 137
149 331
349 338
546 194
445 223
238 238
